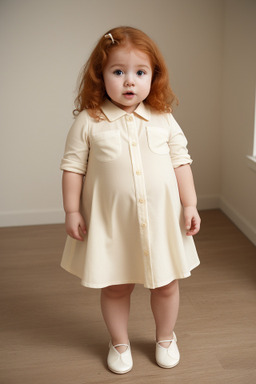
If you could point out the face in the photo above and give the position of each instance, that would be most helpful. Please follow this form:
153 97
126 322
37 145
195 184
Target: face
127 77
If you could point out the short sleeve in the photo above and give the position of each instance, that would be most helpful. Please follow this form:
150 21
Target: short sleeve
77 146
178 144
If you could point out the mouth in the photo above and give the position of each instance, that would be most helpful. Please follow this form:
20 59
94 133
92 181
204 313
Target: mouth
128 94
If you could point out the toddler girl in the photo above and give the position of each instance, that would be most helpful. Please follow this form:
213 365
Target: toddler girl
128 191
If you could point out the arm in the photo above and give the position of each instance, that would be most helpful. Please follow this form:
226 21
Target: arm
71 190
188 199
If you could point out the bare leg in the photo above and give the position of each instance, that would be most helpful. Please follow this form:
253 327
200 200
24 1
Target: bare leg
165 307
115 306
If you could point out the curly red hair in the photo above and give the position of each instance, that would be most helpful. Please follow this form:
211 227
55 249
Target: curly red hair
91 91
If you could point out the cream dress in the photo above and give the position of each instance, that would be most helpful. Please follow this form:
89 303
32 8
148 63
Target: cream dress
130 199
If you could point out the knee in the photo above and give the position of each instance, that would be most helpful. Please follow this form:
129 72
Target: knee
167 290
118 291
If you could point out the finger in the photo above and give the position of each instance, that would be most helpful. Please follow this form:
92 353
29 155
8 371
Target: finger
188 223
76 235
82 233
83 228
191 233
193 230
79 238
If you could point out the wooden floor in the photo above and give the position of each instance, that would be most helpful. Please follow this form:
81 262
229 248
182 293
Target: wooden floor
52 330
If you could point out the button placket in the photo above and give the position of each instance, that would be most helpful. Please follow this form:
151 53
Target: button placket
140 189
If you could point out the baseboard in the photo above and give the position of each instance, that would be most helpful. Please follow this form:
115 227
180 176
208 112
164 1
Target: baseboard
244 226
20 218
56 216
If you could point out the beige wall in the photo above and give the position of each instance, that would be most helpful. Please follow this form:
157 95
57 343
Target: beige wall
43 46
238 181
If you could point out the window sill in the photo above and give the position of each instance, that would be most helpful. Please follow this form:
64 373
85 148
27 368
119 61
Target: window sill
251 162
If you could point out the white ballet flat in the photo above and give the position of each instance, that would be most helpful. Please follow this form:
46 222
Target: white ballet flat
119 363
167 357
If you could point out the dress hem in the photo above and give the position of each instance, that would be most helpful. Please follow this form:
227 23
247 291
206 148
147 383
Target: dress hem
158 285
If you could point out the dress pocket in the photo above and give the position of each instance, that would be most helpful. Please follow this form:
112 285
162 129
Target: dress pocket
158 140
106 146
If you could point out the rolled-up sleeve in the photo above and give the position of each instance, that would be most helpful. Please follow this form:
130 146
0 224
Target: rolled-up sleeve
178 144
77 146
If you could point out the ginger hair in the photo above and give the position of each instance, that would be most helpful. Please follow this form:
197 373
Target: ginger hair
91 89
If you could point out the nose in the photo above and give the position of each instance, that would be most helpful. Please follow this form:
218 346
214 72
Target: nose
129 82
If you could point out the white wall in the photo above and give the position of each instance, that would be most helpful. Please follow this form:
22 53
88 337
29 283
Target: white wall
43 46
209 46
238 181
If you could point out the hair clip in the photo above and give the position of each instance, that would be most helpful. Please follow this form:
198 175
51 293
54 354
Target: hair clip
110 36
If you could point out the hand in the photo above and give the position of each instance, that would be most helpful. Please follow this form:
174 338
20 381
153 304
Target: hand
192 220
75 225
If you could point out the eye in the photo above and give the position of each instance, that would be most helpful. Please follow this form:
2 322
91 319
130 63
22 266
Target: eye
141 73
118 72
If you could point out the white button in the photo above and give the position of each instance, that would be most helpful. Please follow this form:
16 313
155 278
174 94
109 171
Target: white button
143 225
141 201
129 118
138 172
134 143
146 253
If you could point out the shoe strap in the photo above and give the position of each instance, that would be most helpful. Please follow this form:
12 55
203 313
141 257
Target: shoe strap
121 345
174 338
165 341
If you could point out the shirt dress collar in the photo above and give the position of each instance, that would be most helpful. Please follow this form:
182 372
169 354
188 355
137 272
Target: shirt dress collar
112 112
